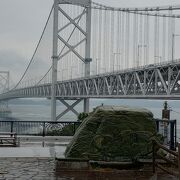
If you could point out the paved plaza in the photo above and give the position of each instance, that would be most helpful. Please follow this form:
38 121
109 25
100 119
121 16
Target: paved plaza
27 168
34 159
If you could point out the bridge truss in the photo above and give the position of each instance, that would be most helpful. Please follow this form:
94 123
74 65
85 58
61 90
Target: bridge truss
4 87
160 81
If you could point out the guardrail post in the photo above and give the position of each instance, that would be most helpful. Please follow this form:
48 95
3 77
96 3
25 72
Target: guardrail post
153 149
74 128
172 139
179 158
157 125
12 124
44 129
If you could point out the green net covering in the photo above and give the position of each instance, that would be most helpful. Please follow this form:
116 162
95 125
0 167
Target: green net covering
114 133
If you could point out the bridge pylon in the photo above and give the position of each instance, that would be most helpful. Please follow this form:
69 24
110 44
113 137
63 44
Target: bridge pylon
4 87
86 12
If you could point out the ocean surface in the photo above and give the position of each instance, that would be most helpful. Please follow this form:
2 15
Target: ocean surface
39 109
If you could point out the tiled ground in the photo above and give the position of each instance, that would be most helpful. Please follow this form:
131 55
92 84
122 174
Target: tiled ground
44 169
34 159
27 168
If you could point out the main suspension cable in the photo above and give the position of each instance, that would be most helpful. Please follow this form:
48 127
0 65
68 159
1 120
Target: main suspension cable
34 51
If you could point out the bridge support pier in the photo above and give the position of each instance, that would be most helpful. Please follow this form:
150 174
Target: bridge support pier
68 107
4 85
86 105
87 52
54 61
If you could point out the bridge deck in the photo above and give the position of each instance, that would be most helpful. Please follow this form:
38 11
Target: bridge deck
154 81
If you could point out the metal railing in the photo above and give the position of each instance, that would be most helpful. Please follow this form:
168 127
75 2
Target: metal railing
40 128
166 159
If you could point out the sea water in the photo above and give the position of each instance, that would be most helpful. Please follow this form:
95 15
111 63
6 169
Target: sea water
39 110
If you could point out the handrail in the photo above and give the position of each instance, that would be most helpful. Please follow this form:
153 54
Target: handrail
156 145
165 148
55 122
40 128
167 160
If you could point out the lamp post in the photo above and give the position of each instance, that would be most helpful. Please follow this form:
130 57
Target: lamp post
173 45
114 54
139 46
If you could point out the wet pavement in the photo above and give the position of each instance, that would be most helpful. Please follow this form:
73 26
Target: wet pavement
41 152
49 147
27 168
34 159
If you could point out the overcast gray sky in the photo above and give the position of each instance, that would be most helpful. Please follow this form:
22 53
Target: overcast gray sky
138 3
22 22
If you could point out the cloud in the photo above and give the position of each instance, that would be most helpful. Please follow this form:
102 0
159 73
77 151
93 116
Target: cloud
138 3
16 64
13 62
22 22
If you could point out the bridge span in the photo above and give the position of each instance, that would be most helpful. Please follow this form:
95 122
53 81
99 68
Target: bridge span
156 81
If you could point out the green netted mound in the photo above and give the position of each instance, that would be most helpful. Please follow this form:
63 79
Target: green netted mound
113 133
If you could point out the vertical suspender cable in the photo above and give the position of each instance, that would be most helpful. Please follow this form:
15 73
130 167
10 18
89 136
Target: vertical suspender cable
70 55
66 57
105 40
145 40
158 55
78 40
73 42
112 57
108 49
80 46
100 41
135 37
155 38
119 39
164 39
140 44
84 27
173 38
63 59
122 40
93 37
170 35
127 41
96 38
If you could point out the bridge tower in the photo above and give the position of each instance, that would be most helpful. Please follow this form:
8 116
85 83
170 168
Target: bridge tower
4 87
56 57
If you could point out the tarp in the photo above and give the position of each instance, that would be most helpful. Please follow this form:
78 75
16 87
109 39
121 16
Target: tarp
114 133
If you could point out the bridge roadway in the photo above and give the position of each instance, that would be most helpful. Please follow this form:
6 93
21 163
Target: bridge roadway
160 81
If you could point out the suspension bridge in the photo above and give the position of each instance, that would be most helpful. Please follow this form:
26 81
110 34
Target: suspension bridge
90 50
